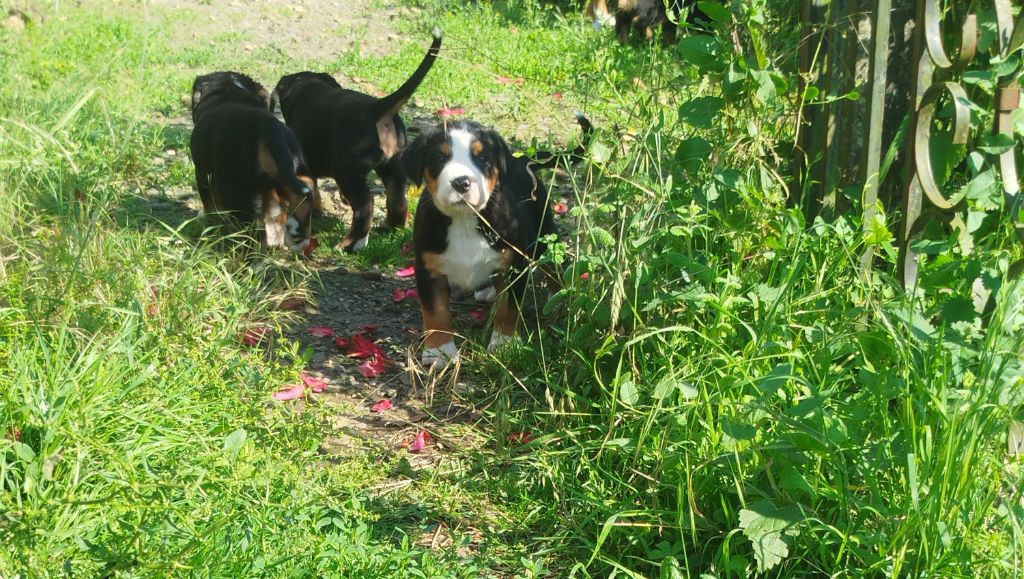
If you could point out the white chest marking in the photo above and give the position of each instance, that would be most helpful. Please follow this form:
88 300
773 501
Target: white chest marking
469 260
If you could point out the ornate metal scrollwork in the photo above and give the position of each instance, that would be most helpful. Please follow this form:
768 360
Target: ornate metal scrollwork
932 58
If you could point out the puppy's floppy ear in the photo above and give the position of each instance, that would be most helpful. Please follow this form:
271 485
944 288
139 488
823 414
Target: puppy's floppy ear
414 158
503 153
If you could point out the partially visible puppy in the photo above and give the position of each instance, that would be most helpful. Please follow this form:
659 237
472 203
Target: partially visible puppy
480 220
249 164
346 134
597 11
645 16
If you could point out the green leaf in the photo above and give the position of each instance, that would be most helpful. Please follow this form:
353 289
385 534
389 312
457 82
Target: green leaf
602 237
776 379
24 451
701 112
715 11
770 530
693 153
792 479
628 394
234 441
667 385
701 51
670 569
689 390
600 152
995 144
766 91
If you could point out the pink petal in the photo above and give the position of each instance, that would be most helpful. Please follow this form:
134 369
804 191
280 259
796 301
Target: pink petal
585 275
313 383
362 347
561 208
402 294
382 406
342 342
310 247
253 336
507 80
373 367
407 271
321 331
369 328
420 442
476 314
407 248
290 392
557 96
451 112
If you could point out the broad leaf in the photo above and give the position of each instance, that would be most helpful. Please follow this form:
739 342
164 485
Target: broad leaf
628 394
770 530
701 112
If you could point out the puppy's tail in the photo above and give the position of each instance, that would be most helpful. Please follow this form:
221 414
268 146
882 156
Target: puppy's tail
548 160
391 104
284 169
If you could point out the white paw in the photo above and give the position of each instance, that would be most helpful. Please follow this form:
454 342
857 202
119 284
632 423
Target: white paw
498 340
299 247
442 355
486 294
360 244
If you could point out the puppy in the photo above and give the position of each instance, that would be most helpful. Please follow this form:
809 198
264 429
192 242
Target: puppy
249 164
346 134
480 219
597 11
645 16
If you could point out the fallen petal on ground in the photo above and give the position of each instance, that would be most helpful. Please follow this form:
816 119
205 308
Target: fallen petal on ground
420 442
313 383
382 406
321 331
406 271
290 392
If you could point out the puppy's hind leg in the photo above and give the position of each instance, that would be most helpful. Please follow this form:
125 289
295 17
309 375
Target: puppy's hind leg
394 179
360 198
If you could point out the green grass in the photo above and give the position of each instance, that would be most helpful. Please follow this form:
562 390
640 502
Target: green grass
723 395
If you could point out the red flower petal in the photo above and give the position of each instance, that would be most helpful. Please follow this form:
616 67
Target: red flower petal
362 347
342 342
476 314
561 208
310 247
406 272
402 294
253 336
585 275
382 406
321 331
557 96
369 328
290 392
451 111
420 442
521 437
313 383
373 367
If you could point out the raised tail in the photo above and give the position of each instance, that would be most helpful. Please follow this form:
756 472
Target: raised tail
548 160
391 104
282 153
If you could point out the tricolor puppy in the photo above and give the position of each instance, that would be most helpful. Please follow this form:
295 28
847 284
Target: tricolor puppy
479 221
346 134
645 16
248 164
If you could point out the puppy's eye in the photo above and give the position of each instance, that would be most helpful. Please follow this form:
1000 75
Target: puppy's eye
483 159
440 157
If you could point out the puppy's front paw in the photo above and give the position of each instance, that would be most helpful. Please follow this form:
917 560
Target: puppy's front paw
498 340
348 245
441 356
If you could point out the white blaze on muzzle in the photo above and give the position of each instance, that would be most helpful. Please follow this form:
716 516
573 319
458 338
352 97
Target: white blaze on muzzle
462 185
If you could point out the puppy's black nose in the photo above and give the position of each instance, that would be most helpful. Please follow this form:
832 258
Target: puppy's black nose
461 184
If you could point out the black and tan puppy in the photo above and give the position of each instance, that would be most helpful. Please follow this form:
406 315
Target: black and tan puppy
479 221
249 164
346 134
645 16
